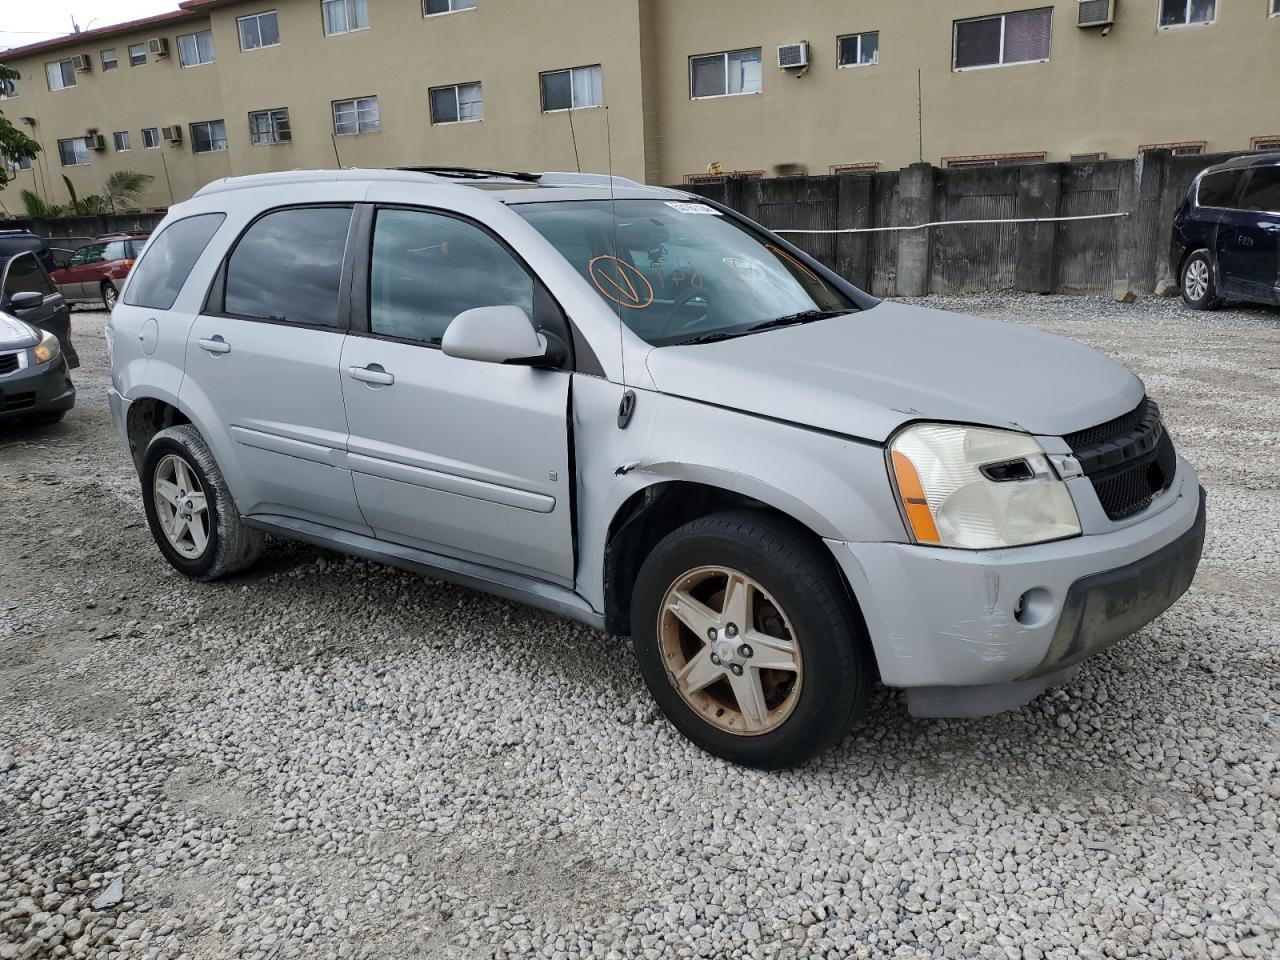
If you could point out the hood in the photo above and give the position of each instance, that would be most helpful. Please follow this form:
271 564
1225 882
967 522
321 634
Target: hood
15 334
867 373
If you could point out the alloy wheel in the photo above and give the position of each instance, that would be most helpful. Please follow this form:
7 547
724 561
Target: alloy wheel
181 506
109 296
1196 281
729 650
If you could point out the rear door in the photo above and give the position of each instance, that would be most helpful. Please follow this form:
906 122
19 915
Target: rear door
1251 242
263 359
455 456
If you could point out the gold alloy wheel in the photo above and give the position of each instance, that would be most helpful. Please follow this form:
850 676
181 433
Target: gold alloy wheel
729 649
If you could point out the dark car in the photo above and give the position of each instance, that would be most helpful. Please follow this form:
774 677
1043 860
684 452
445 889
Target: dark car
35 382
1226 234
24 241
28 293
95 272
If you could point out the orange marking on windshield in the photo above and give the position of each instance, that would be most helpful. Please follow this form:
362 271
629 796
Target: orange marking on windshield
618 285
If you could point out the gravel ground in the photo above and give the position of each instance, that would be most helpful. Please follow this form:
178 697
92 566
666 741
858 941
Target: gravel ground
329 758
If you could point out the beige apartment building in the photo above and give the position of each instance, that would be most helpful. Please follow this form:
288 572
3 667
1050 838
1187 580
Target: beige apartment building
654 89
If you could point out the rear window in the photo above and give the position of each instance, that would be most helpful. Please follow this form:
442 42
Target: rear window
1263 190
159 276
1218 189
288 266
116 250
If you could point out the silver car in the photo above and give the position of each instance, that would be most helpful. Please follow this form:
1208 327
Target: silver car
640 410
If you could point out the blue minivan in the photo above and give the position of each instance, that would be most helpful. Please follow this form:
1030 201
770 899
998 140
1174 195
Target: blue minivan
1226 234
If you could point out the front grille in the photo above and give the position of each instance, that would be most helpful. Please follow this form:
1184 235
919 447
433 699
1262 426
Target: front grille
19 401
1130 460
8 363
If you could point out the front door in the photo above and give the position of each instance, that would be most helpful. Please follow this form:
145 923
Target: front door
1249 239
459 457
262 361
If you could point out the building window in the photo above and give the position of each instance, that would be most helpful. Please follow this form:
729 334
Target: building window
8 89
121 138
356 116
572 89
195 48
1021 37
1182 13
692 178
1179 148
208 136
150 137
269 126
993 160
109 60
137 54
1088 157
13 166
258 30
73 152
344 16
1265 144
1275 8
858 49
457 104
62 74
855 168
432 7
725 74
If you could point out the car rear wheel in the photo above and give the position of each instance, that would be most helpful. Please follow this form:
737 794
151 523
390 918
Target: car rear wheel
1198 290
109 295
189 509
748 642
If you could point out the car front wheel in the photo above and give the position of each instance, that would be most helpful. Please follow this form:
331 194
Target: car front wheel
189 509
1198 289
748 642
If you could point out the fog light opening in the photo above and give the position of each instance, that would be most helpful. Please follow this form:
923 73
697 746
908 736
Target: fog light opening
1034 608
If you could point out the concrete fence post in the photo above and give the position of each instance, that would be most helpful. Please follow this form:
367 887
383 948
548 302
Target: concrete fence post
914 205
1039 191
854 211
1142 234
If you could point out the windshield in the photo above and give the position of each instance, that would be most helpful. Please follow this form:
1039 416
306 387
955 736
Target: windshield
680 271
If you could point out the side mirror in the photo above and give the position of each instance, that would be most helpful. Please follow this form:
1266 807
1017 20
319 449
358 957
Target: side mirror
499 335
27 300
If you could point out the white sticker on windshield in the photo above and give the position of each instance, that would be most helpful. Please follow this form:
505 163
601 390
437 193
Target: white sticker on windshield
684 207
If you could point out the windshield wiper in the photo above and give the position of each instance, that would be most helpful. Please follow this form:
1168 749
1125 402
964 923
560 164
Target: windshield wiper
791 319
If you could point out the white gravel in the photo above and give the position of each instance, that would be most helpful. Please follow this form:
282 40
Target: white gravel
329 758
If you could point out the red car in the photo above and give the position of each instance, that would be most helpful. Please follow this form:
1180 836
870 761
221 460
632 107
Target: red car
95 272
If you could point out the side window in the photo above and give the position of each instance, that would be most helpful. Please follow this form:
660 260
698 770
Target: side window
93 253
1263 190
26 276
158 277
1218 189
116 250
80 257
427 268
288 266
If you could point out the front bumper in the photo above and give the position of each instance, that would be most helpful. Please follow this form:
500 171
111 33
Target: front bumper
953 627
36 390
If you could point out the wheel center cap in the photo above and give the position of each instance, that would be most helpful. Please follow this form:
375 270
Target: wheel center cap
724 650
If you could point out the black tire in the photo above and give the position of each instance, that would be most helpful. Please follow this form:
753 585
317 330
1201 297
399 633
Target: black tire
793 569
231 546
109 295
1200 260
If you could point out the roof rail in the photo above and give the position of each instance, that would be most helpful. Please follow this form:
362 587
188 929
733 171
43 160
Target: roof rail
473 173
570 179
309 176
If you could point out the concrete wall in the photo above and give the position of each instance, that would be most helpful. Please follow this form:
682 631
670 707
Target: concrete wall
1071 257
1134 85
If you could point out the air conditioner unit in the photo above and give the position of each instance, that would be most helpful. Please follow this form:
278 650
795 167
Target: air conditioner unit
158 47
172 134
95 141
1096 13
793 55
82 62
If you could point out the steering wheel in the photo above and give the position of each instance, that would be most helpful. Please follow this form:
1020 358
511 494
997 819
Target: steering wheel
674 323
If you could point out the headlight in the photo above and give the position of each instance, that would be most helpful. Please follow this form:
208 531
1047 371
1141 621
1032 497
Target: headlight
48 347
979 488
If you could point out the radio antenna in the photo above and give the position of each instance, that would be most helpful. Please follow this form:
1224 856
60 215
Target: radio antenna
574 137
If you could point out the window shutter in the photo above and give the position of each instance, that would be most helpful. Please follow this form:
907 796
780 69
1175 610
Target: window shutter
1026 35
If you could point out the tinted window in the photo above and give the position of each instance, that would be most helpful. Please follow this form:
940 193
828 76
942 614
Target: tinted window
1218 189
25 275
288 266
427 268
1262 192
159 276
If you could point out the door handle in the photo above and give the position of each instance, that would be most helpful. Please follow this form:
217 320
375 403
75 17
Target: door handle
215 345
371 374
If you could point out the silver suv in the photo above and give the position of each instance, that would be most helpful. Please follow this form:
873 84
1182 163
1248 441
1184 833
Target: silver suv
640 410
